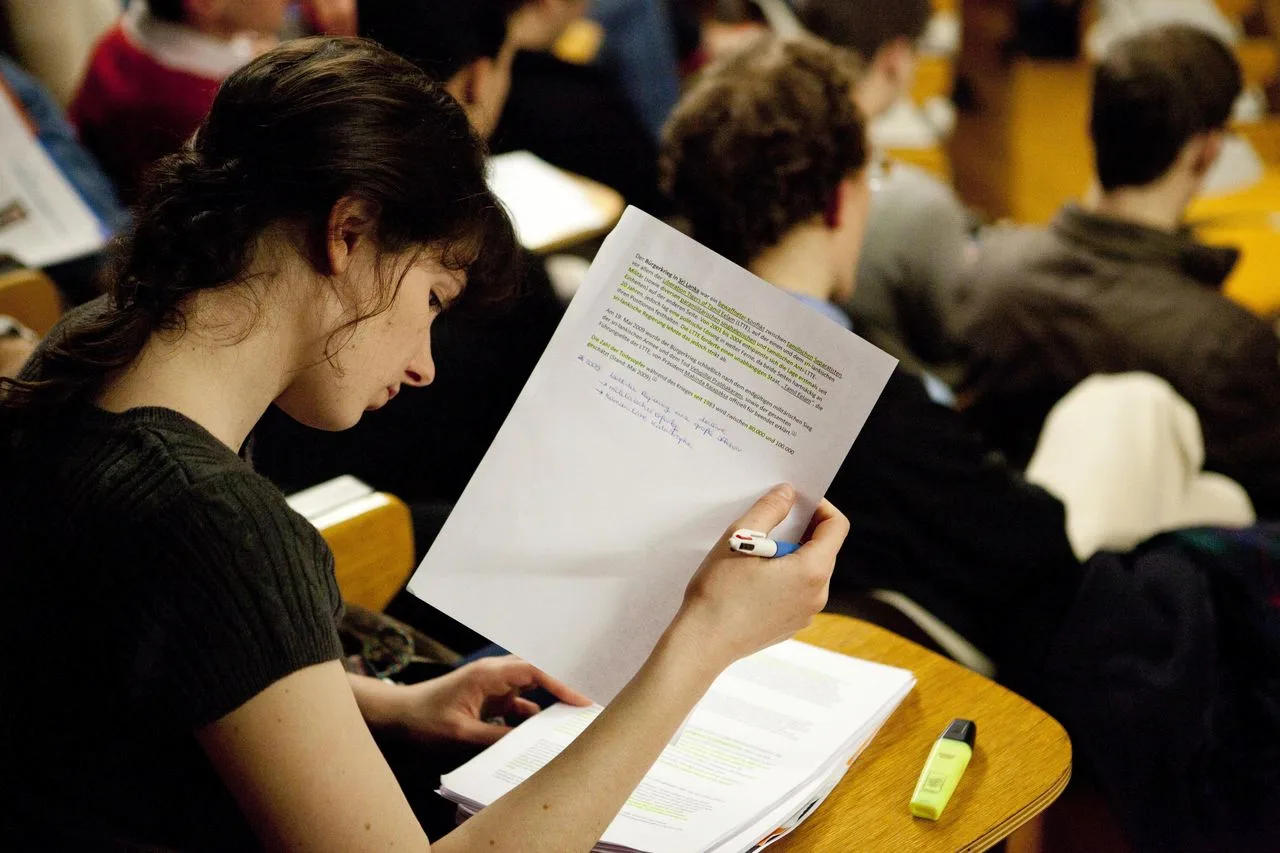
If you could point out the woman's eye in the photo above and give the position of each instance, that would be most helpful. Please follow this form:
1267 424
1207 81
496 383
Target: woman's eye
436 304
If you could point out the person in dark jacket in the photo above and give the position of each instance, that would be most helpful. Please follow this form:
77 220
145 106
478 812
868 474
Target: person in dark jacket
1118 285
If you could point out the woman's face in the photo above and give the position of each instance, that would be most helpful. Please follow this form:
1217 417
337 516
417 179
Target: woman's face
367 365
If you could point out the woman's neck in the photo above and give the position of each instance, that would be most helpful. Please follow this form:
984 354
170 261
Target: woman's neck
222 371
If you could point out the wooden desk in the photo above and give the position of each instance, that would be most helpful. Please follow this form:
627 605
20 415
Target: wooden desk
31 298
1021 764
1250 221
604 199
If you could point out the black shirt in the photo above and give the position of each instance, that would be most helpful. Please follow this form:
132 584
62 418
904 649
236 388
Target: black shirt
155 584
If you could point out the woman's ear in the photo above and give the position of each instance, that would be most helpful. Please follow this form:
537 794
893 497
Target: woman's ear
349 231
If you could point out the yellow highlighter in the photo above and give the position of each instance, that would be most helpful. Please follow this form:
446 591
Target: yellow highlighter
947 762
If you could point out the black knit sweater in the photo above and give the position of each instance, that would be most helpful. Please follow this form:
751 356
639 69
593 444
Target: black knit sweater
153 584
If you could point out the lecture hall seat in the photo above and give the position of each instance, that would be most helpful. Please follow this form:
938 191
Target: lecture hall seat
30 297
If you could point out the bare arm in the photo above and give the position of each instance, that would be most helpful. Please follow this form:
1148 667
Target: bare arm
301 762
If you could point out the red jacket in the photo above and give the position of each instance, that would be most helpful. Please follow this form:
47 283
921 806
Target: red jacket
148 86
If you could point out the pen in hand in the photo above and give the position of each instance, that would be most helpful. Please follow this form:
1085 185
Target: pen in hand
758 544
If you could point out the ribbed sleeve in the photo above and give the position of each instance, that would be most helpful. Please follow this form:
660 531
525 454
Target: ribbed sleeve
246 595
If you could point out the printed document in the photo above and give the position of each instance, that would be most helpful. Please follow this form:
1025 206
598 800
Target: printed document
676 391
773 736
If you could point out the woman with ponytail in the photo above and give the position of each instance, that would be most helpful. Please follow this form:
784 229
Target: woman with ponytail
186 690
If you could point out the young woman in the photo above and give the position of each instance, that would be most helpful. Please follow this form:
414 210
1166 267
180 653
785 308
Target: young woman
171 674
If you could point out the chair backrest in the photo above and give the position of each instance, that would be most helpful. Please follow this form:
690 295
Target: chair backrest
54 38
31 298
370 533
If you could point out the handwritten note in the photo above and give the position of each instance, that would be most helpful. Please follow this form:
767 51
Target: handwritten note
676 391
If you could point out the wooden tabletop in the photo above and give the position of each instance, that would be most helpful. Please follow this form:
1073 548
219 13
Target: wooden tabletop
1021 764
604 199
1250 221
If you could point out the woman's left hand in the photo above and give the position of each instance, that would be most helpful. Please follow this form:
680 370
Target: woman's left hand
458 706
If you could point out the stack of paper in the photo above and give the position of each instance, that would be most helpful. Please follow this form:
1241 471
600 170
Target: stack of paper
770 740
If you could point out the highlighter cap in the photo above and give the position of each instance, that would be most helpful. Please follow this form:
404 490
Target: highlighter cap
965 731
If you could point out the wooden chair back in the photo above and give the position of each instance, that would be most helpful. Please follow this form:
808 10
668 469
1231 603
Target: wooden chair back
30 297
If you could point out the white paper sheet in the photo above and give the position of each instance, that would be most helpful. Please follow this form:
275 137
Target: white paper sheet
546 205
677 390
43 220
773 735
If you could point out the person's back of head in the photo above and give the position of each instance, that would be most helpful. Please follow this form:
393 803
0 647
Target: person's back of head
463 45
865 26
883 33
762 145
442 37
1161 98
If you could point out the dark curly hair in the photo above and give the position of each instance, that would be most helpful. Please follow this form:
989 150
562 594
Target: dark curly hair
762 141
288 136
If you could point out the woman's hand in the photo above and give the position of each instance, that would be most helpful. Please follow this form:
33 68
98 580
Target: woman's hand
738 604
458 706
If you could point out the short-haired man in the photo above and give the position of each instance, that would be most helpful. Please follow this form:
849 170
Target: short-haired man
766 157
1118 285
918 231
465 46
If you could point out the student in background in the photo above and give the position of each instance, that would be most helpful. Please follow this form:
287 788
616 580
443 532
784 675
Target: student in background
153 76
918 232
469 48
575 116
332 17
640 52
295 252
1117 284
766 156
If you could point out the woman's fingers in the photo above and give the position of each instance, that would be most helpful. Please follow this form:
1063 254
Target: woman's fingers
827 531
516 673
768 512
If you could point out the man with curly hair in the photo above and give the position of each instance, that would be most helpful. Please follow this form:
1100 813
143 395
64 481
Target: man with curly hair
766 157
